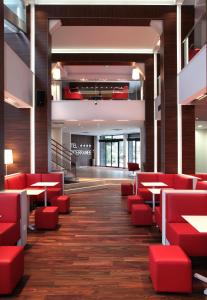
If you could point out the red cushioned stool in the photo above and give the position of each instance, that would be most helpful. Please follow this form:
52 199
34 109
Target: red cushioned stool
46 217
141 214
62 202
11 267
170 269
134 199
126 189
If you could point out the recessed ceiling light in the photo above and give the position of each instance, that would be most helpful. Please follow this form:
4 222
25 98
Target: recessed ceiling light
97 120
200 126
122 120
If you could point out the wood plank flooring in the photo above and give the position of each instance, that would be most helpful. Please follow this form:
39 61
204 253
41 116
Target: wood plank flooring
95 254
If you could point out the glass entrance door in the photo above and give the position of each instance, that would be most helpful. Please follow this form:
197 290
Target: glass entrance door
108 154
115 154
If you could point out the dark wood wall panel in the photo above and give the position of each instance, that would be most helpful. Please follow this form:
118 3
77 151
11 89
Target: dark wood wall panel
1 95
83 147
17 137
169 94
159 146
43 83
188 139
149 114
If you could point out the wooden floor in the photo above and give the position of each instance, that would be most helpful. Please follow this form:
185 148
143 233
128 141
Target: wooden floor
95 254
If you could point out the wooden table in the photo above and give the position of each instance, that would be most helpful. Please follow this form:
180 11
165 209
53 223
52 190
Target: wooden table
45 184
154 191
200 224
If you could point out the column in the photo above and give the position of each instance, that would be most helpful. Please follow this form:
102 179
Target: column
168 66
43 84
149 114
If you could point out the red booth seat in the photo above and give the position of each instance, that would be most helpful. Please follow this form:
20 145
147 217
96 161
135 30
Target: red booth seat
70 95
22 181
9 219
181 233
176 181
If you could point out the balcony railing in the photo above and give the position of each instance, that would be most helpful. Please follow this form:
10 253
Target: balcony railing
64 90
195 40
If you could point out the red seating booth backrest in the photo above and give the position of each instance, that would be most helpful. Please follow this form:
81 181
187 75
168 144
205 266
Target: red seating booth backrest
201 185
22 181
16 181
180 232
176 181
9 219
184 204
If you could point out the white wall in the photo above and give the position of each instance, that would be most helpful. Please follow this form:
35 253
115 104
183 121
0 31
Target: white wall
18 80
56 134
193 78
201 150
105 110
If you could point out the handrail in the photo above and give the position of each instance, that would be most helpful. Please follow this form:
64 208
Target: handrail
204 15
62 146
63 157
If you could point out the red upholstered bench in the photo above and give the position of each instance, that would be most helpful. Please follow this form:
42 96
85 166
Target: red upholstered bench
134 199
141 214
46 217
11 267
126 189
170 269
62 202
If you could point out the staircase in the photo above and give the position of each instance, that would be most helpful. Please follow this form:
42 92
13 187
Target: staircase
64 160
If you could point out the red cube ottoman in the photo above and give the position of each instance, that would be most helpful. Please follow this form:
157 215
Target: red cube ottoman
141 214
11 267
170 269
126 189
46 217
134 199
62 202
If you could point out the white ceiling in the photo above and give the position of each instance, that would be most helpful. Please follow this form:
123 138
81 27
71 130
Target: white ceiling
104 39
100 127
99 72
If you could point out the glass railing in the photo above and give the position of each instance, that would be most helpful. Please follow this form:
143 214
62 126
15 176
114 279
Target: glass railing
195 40
77 90
17 7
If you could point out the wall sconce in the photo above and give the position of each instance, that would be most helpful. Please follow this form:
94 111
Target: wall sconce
8 157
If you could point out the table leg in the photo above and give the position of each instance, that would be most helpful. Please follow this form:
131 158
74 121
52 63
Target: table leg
153 202
45 196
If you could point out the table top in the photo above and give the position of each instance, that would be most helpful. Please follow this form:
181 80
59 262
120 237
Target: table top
198 222
30 192
155 191
44 183
153 184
